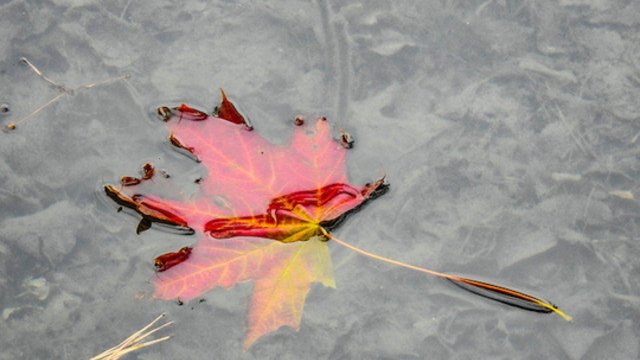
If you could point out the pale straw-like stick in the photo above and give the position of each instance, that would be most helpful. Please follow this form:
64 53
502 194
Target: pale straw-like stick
63 91
134 342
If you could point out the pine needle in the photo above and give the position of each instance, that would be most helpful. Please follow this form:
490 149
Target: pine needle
134 342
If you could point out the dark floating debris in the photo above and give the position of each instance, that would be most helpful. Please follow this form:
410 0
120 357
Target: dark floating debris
298 121
346 140
143 225
164 113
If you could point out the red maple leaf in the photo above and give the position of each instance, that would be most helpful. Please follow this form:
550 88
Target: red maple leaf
254 192
264 212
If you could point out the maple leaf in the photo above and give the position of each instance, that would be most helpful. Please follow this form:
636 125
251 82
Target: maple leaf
264 211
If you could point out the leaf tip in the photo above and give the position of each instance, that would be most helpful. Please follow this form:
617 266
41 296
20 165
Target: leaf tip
506 296
227 111
553 308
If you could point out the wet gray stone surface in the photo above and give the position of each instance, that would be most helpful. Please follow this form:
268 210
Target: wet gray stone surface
508 131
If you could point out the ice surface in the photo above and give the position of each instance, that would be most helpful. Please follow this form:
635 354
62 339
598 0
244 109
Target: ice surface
504 128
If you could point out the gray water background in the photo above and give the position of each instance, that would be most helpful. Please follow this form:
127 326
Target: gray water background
508 130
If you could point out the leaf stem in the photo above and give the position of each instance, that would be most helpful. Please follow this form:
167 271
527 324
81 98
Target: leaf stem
498 293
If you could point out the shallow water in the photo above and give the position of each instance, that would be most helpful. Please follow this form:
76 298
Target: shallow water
507 131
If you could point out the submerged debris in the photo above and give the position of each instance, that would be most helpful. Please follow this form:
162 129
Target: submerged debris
622 194
564 177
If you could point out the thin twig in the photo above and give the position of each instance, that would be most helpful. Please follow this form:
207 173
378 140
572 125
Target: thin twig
61 88
42 107
41 75
104 82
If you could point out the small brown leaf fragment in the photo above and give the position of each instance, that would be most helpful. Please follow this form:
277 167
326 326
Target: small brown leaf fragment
129 181
175 142
227 111
189 113
148 171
